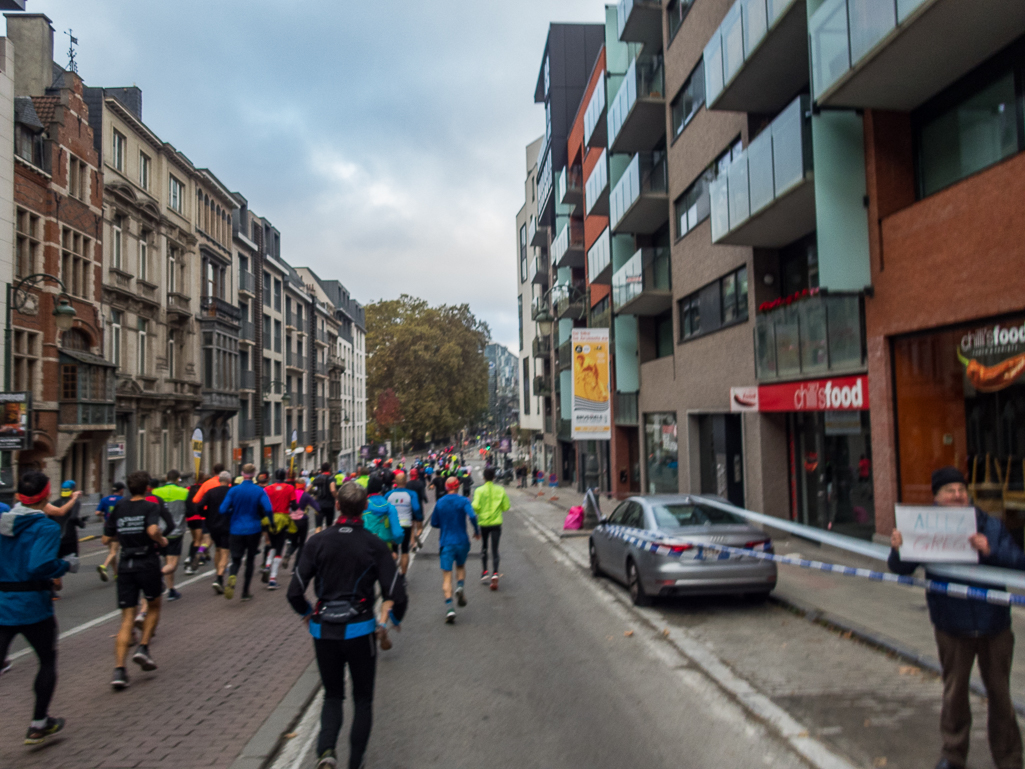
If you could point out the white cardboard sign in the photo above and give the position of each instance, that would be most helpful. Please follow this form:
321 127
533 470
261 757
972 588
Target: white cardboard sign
936 534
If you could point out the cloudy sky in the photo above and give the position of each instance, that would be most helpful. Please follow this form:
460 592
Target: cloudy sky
384 139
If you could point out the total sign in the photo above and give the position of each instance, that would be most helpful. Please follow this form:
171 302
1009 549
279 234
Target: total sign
838 394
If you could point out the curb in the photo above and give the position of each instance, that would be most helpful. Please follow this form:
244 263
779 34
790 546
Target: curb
264 745
880 642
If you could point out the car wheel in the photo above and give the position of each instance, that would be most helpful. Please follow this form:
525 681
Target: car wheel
595 566
633 581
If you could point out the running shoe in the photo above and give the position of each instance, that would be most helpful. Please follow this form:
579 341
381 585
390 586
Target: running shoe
143 660
173 594
494 582
327 760
218 588
272 585
6 666
484 578
460 596
189 569
229 590
139 619
450 616
120 679
104 577
247 596
38 734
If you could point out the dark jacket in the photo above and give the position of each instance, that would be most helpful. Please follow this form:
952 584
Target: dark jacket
970 617
28 553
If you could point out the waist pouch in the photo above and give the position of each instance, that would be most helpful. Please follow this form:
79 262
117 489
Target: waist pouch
28 586
341 617
135 552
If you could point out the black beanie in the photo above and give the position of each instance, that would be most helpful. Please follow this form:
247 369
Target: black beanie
945 475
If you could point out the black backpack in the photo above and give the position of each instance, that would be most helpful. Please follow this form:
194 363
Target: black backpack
322 485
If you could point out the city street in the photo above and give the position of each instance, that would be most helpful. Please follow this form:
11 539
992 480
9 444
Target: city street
556 669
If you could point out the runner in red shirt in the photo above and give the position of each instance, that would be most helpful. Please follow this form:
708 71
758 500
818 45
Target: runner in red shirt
281 495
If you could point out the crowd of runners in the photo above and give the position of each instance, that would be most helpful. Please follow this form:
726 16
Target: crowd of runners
342 533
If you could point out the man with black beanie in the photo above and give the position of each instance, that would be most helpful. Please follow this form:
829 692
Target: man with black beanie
966 629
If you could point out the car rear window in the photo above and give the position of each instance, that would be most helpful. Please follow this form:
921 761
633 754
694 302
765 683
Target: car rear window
670 516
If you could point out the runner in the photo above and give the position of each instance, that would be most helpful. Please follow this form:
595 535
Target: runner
324 488
381 517
174 497
70 519
466 479
438 482
416 484
105 508
362 476
298 511
344 564
219 527
28 563
135 523
407 504
194 520
248 504
450 514
489 502
278 526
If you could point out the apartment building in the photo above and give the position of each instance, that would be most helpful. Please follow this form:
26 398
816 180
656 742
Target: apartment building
503 386
7 236
274 396
57 327
247 256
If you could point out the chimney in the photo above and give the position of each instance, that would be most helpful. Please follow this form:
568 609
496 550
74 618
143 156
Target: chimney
32 36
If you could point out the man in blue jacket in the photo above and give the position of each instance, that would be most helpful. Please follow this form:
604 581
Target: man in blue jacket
248 504
966 629
450 514
28 563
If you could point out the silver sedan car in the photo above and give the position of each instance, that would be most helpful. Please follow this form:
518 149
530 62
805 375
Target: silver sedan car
676 526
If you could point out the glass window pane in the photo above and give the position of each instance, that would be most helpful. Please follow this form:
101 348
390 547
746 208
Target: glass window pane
814 357
844 318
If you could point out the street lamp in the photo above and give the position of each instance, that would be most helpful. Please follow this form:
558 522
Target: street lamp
17 297
545 322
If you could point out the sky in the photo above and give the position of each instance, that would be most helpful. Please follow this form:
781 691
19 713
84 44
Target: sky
385 140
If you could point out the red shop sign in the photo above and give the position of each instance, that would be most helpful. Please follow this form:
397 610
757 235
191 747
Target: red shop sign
848 393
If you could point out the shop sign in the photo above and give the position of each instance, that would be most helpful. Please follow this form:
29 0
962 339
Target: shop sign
836 394
115 450
743 399
14 429
236 454
936 533
592 402
505 445
993 356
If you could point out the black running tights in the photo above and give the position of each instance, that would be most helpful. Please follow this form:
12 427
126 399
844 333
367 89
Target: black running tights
493 533
43 638
361 656
245 546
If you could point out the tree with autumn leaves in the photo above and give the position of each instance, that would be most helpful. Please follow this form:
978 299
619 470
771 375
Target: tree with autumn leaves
426 370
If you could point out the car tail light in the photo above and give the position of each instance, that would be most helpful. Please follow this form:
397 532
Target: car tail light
758 543
678 549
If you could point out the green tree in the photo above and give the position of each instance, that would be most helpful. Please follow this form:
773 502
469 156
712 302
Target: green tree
431 359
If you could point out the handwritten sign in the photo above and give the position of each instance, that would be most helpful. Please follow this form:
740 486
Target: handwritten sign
936 533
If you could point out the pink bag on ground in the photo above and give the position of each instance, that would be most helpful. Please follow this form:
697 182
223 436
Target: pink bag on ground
574 518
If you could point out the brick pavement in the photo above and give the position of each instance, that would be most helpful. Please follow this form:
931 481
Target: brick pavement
224 666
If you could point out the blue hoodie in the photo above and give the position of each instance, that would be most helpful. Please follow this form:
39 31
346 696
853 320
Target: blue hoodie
381 518
28 553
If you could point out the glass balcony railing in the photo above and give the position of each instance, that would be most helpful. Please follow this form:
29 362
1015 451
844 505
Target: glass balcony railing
602 318
246 282
541 347
568 246
536 234
568 301
643 286
569 187
596 187
640 21
843 32
565 355
775 162
247 331
599 258
644 181
545 182
625 409
636 116
539 270
542 386
822 334
595 128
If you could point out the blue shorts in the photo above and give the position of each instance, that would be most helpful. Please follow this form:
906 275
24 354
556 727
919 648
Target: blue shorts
457 553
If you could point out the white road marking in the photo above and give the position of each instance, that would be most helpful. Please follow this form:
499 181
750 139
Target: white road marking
105 617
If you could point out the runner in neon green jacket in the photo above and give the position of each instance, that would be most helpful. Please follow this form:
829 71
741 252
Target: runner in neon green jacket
489 502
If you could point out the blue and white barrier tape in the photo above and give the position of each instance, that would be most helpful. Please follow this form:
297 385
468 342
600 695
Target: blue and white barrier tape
681 548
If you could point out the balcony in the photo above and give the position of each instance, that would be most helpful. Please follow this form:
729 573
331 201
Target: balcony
640 21
599 259
321 336
91 380
246 283
596 188
215 308
568 301
320 369
895 54
767 196
758 58
565 355
542 386
336 362
218 400
295 361
639 202
539 271
822 334
596 131
94 416
637 114
536 236
643 286
247 331
247 429
570 188
178 307
602 318
624 410
290 319
536 307
545 182
568 246
248 380
120 280
541 347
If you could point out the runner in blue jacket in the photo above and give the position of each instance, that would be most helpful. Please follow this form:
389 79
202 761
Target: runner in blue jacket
450 514
28 564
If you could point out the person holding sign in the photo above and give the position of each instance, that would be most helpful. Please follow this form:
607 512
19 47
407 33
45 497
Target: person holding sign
966 629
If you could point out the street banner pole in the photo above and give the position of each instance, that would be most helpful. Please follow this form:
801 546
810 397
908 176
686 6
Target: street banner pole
295 442
197 448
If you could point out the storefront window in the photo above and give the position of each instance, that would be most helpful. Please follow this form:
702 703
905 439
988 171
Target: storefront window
961 401
662 451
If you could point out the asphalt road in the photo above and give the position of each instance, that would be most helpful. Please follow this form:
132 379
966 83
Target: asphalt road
543 674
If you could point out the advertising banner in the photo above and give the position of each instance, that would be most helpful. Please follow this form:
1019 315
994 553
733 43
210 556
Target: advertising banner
197 448
592 403
936 533
743 399
14 429
847 393
993 356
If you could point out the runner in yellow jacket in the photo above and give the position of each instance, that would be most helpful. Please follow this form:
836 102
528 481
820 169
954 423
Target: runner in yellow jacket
489 502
